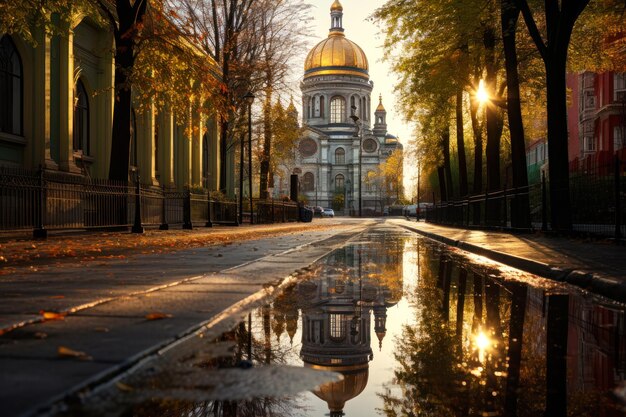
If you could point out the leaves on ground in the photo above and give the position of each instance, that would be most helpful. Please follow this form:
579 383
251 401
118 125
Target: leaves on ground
52 315
65 352
157 316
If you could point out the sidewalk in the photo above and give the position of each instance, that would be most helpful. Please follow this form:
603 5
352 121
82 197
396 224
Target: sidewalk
96 305
598 266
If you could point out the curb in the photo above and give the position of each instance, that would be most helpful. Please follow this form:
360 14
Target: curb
607 287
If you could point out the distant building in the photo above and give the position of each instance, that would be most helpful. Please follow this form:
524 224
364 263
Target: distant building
536 159
336 86
596 119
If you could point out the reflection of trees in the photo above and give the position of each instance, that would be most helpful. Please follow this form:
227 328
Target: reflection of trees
441 370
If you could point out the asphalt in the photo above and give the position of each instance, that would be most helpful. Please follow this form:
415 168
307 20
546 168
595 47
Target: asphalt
116 313
113 315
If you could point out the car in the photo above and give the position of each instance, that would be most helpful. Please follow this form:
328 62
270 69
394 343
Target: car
410 210
328 212
318 210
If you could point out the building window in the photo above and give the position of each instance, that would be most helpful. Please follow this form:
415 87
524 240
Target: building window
337 110
618 137
10 88
81 119
339 183
619 87
340 156
322 106
308 182
589 144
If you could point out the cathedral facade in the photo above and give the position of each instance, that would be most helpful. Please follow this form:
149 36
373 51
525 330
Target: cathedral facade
340 138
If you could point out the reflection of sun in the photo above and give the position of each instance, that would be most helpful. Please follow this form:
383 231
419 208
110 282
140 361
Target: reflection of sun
482 343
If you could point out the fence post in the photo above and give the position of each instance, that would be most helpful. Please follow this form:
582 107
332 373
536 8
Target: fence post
137 227
544 205
436 216
187 210
618 202
164 225
40 232
273 216
506 212
284 218
487 220
209 222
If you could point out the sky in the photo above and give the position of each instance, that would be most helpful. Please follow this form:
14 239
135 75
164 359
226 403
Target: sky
368 36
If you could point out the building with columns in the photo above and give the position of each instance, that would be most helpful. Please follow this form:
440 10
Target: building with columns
336 90
56 112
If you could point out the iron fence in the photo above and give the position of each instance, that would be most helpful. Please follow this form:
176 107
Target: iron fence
49 200
596 200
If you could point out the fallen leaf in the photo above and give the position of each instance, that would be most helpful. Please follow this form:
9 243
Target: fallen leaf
123 387
57 297
51 315
157 316
41 335
66 352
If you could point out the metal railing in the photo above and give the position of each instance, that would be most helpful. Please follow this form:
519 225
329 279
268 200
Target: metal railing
597 202
49 200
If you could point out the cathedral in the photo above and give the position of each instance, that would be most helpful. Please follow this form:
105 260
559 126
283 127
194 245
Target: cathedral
339 137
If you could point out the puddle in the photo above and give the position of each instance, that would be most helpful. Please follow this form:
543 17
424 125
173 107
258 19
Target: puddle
395 325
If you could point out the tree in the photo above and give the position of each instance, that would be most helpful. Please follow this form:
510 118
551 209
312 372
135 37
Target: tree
392 172
559 18
126 24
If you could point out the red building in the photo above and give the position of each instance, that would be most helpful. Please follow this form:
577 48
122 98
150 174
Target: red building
596 119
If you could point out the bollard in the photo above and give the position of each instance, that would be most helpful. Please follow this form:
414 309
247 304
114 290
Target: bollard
163 225
137 227
209 222
544 206
40 232
187 210
618 202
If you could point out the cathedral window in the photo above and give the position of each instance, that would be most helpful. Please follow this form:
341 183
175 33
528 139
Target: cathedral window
337 110
340 156
81 119
10 88
308 182
322 106
339 183
338 326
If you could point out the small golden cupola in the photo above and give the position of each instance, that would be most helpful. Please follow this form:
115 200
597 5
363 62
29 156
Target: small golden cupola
336 55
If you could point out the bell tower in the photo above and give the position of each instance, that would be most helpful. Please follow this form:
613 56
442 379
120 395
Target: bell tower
380 119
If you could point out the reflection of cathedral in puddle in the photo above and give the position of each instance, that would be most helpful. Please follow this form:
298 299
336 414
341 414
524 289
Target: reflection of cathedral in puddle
336 320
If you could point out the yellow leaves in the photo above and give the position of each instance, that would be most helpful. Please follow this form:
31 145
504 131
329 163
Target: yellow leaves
157 316
51 315
124 387
65 352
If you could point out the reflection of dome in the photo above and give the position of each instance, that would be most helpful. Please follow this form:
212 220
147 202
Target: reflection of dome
336 394
336 55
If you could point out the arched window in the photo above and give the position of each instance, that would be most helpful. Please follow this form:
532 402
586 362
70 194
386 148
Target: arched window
353 108
10 87
322 106
337 110
81 119
339 183
338 326
340 156
308 182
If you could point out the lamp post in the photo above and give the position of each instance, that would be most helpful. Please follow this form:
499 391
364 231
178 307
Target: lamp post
249 98
355 119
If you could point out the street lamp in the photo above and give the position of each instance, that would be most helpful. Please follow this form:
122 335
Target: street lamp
249 98
355 119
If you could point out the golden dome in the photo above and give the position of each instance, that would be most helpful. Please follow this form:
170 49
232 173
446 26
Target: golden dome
336 6
336 394
336 55
380 104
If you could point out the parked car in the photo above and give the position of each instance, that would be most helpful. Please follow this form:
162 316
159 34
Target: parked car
423 208
410 210
328 212
318 210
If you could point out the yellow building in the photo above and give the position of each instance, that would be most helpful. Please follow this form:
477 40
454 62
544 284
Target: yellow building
56 111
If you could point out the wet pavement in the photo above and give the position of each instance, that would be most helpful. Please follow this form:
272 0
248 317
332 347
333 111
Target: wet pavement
396 325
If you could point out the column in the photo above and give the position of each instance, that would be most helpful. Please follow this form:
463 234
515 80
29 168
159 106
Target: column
196 149
66 103
145 145
166 148
39 139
